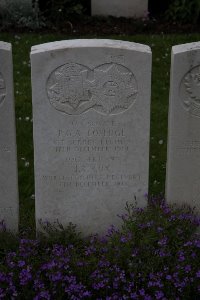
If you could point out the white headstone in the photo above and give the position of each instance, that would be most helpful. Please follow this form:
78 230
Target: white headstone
91 114
120 8
183 162
8 160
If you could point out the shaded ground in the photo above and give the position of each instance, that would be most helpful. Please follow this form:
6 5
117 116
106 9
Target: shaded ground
86 25
127 26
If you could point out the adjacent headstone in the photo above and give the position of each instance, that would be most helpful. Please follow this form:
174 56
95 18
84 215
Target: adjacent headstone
183 162
91 115
120 8
8 159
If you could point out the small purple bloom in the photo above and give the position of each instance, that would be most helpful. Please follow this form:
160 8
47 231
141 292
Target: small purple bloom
43 295
142 292
25 276
198 274
21 263
163 241
159 295
188 268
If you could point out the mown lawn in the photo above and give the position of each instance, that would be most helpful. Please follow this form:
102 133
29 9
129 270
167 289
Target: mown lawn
161 48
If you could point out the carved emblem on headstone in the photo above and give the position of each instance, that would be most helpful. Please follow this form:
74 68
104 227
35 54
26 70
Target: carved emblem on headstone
190 91
2 89
108 89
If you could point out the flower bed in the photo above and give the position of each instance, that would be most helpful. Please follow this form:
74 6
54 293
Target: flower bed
155 255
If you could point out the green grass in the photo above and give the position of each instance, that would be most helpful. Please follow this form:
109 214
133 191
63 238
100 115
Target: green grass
161 48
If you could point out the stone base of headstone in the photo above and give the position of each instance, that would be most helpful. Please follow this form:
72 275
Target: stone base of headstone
120 8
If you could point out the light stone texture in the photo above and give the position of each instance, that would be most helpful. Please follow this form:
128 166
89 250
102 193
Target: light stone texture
8 158
91 117
183 159
120 8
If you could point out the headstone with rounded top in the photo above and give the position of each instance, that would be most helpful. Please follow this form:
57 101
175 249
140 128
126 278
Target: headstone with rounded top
91 115
183 160
8 155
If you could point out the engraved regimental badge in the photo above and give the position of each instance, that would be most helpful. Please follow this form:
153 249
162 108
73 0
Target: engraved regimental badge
190 91
2 89
108 89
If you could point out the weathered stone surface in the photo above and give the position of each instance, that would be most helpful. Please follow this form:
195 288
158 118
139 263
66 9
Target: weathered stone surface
8 161
91 115
120 8
183 162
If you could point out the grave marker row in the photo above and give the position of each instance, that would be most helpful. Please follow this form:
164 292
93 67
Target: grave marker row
91 122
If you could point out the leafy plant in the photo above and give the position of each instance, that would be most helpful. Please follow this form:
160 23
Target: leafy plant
184 11
20 14
60 11
155 255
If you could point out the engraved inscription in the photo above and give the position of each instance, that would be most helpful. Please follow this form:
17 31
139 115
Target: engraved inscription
189 147
108 89
190 91
90 180
2 89
6 211
5 149
94 154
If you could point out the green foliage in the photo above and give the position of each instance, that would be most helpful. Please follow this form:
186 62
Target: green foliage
161 47
60 11
184 11
20 14
156 252
8 242
55 233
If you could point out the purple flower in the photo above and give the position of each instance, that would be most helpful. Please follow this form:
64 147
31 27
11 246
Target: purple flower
56 276
134 253
49 265
43 295
172 218
2 293
21 263
163 241
58 250
112 230
197 243
142 292
181 256
90 250
25 276
159 295
159 229
198 274
38 285
193 255
190 243
133 296
188 268
123 239
146 297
